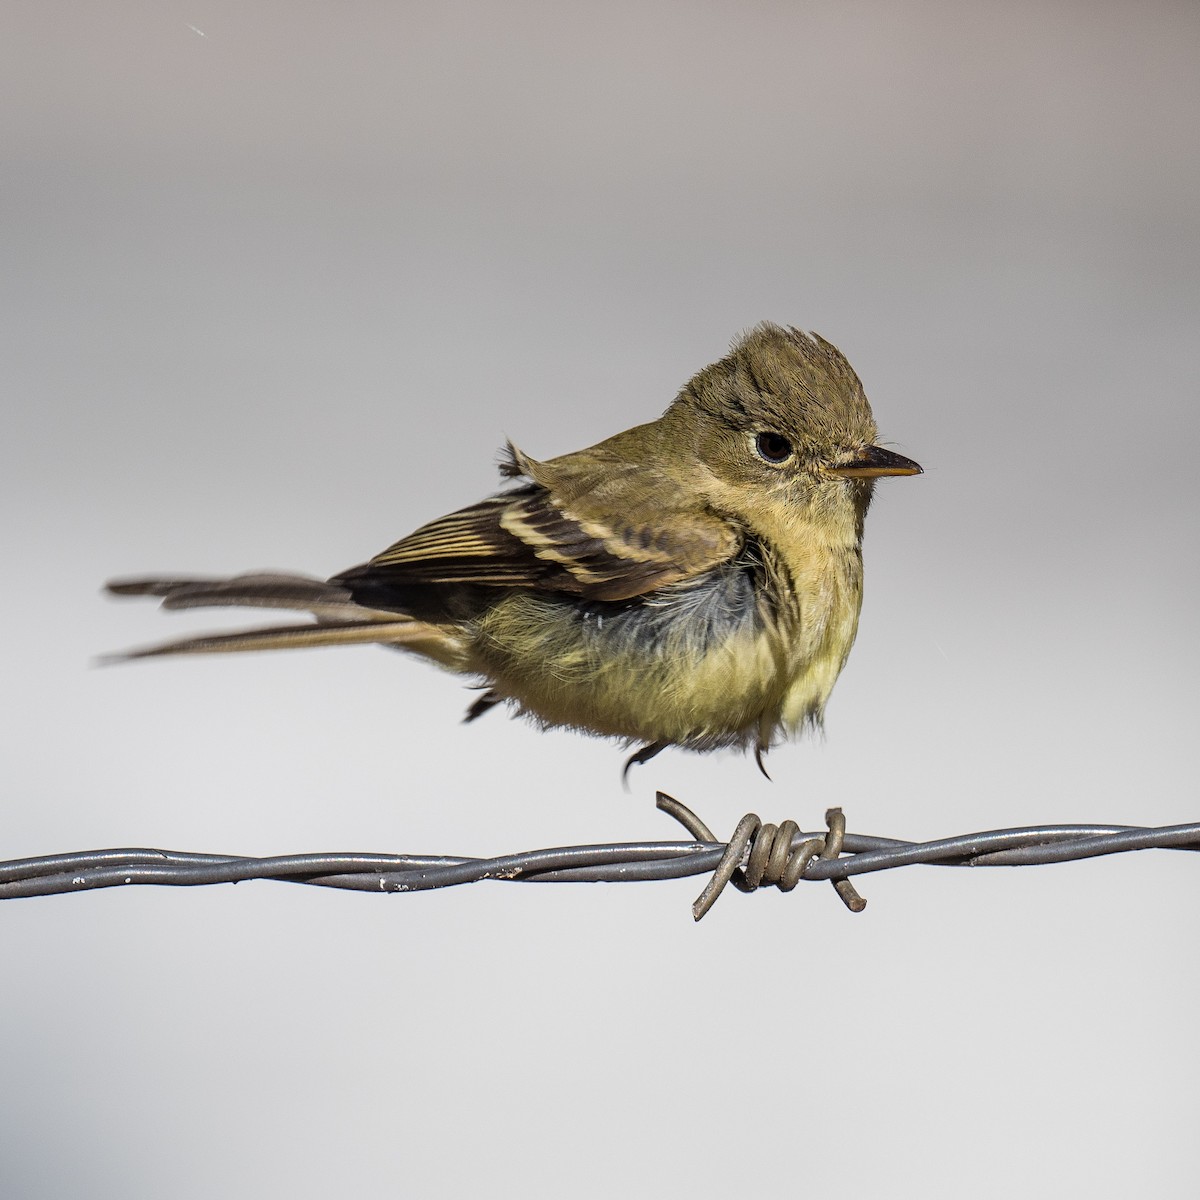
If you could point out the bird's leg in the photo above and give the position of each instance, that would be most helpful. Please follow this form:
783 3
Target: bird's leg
644 755
759 751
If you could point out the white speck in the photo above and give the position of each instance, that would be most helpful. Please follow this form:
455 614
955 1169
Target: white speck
79 879
128 879
198 32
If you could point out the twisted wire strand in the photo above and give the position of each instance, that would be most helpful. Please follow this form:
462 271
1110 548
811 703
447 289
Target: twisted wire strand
756 855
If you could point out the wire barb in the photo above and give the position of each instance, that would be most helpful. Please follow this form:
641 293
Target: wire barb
759 854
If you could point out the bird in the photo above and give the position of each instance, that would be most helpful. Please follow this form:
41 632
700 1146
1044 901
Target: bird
692 582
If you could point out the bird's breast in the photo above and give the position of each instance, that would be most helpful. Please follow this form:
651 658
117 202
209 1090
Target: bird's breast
723 659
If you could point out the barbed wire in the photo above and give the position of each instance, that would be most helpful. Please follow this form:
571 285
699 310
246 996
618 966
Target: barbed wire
756 855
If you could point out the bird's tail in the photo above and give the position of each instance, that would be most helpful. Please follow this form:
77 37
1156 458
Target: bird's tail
339 620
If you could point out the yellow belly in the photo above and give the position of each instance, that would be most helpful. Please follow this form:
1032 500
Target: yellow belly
762 671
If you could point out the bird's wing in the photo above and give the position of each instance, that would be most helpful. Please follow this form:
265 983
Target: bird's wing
605 530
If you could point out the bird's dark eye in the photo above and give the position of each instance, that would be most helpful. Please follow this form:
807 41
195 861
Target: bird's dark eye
773 447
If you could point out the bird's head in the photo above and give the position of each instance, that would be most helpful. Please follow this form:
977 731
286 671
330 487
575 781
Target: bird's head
783 418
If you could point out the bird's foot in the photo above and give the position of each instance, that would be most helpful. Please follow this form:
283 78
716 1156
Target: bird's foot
644 755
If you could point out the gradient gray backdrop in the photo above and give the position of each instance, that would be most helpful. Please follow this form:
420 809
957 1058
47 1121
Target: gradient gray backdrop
280 278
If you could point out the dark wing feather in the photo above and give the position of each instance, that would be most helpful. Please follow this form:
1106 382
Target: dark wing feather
603 530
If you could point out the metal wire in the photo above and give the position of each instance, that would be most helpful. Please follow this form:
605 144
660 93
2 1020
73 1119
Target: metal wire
757 855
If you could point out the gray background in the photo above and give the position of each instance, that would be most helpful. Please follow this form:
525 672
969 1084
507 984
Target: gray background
279 279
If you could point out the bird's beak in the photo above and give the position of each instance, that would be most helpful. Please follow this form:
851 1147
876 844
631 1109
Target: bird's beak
873 462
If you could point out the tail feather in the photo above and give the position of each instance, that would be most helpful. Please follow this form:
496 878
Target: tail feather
155 585
259 590
292 637
340 621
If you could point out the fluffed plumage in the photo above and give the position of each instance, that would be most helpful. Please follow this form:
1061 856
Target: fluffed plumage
695 581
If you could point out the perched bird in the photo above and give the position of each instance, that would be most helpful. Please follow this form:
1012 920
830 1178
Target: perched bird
695 581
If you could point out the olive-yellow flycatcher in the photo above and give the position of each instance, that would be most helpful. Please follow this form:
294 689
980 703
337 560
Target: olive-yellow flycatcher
695 581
